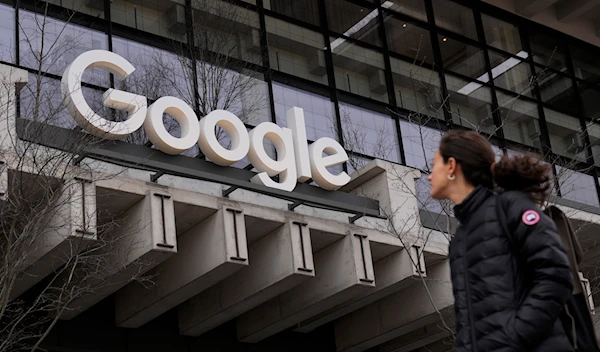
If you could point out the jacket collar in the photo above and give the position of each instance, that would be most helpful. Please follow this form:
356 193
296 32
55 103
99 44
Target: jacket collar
473 202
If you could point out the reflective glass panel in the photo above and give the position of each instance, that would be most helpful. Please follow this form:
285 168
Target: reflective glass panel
565 135
354 21
165 18
409 40
296 50
359 70
369 133
520 120
470 104
417 88
303 10
454 17
502 35
51 45
463 58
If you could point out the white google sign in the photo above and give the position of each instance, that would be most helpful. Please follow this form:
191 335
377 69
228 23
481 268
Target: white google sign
296 160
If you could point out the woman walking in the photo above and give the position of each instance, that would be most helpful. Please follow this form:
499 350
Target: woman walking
508 296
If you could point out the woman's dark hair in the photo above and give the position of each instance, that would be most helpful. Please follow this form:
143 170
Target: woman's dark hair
476 158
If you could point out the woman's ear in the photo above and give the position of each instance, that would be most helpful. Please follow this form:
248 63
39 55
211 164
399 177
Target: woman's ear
451 166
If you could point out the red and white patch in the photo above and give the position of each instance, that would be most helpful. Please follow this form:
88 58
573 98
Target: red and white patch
530 217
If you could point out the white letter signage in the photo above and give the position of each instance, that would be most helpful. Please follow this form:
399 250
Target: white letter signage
296 160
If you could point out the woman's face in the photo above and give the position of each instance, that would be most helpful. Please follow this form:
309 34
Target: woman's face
439 177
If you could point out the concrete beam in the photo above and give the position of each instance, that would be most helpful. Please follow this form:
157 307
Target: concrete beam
280 261
67 230
209 252
145 239
530 8
568 10
344 269
392 273
394 187
397 314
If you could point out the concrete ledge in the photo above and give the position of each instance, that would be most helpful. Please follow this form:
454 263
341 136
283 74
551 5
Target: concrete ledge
393 273
209 252
145 239
397 314
344 269
280 261
70 229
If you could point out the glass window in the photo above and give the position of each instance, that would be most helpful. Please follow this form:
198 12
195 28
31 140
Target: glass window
557 91
502 35
511 73
413 8
7 34
409 40
356 162
52 45
42 101
303 10
354 21
319 113
565 135
593 130
226 29
463 58
245 94
420 144
296 50
369 133
417 88
520 120
577 186
454 17
90 7
157 72
160 17
585 63
359 70
590 97
470 104
547 51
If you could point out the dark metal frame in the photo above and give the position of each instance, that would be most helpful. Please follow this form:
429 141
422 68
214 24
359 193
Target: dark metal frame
147 158
336 96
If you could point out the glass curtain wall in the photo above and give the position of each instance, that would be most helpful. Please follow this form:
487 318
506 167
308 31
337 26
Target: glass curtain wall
375 64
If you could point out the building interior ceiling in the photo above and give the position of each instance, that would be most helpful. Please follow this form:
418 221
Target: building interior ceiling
566 10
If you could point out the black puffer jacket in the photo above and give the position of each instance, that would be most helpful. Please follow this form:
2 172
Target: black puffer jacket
504 303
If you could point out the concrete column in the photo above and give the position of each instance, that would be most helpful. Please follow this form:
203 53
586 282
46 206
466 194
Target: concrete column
280 261
145 238
69 228
344 269
397 314
209 252
395 188
392 273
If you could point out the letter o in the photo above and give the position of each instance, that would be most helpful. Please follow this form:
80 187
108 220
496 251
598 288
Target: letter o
209 144
183 114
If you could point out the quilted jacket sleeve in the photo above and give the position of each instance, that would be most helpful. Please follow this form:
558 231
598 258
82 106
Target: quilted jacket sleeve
548 265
